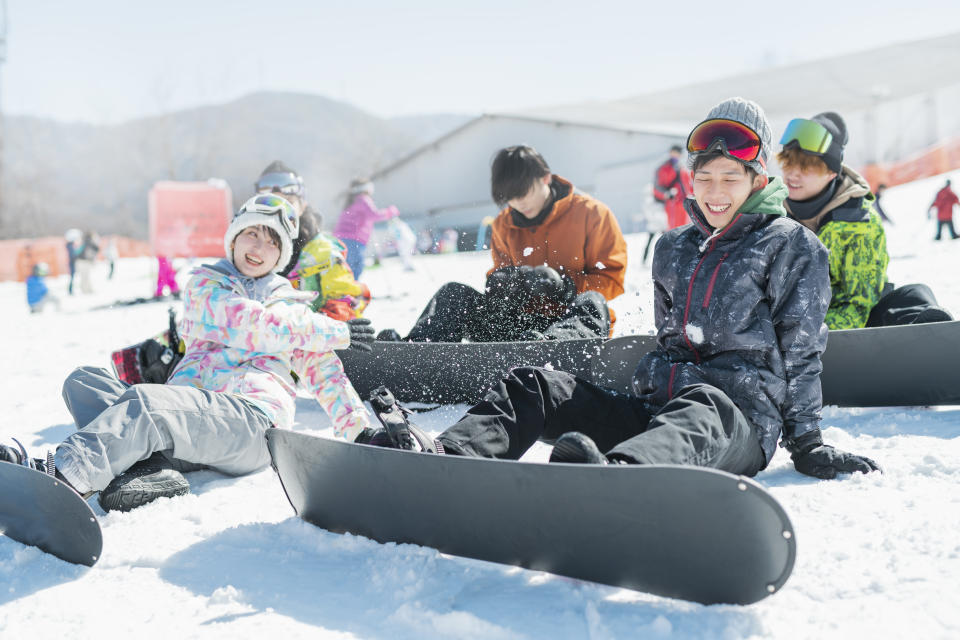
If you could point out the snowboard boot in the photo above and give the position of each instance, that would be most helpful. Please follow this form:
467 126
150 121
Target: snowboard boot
144 482
397 432
577 448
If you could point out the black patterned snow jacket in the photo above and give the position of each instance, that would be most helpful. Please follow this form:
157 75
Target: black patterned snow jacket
742 309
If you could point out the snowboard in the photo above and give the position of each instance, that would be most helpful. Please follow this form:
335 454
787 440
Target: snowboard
908 365
680 532
452 372
41 511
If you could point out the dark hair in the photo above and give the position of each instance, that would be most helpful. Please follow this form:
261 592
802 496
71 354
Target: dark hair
270 231
676 148
703 158
513 172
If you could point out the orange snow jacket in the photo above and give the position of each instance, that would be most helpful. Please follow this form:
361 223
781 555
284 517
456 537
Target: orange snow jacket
580 237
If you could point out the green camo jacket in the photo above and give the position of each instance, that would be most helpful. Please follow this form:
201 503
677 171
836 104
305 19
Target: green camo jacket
849 227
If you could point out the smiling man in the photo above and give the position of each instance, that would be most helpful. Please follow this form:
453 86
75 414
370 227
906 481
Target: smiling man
836 203
558 258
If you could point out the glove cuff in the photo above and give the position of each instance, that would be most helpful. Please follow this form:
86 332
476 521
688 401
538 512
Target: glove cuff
803 444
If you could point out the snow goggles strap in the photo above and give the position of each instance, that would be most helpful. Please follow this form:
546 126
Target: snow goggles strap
810 136
285 183
734 139
271 205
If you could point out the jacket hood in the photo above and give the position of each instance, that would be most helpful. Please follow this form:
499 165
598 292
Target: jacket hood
767 202
259 289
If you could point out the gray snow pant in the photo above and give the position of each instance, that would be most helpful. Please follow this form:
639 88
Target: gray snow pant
119 425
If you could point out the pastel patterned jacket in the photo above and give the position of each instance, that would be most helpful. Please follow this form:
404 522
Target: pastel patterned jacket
257 338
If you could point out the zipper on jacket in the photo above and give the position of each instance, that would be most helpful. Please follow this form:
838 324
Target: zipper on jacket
686 308
713 281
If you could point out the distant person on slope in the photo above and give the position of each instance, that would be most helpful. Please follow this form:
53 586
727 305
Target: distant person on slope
319 260
558 257
38 294
166 278
944 203
739 300
355 223
671 186
250 340
835 202
877 195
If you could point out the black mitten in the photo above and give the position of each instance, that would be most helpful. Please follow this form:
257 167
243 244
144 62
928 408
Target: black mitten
547 282
813 458
362 334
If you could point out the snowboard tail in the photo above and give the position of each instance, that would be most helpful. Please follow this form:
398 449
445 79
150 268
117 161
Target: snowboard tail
680 532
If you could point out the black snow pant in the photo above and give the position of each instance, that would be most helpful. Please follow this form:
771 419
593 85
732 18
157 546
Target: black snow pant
949 225
458 311
700 426
909 304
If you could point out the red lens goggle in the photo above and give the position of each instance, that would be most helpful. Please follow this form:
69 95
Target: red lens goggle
733 139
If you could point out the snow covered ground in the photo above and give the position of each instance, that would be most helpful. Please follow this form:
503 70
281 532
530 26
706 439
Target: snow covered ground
878 556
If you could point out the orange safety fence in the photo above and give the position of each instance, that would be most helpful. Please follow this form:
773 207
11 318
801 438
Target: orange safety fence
933 161
18 256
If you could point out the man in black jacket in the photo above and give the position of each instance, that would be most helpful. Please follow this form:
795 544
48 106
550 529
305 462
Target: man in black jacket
740 299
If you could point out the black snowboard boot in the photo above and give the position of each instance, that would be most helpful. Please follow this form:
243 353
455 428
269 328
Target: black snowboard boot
577 448
397 432
144 482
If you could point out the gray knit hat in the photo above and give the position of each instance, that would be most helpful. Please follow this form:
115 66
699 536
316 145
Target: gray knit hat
751 114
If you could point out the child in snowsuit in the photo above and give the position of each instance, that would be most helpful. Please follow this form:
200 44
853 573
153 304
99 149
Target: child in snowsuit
739 297
355 224
38 294
166 278
250 339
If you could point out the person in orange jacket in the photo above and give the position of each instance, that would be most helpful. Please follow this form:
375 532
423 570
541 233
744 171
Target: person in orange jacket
671 185
558 257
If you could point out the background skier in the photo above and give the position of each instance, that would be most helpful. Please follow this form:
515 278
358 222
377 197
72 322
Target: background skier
944 203
355 223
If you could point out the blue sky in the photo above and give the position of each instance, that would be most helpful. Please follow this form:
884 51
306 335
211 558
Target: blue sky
107 61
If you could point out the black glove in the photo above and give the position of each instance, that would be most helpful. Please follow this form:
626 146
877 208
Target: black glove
361 334
813 458
546 281
502 281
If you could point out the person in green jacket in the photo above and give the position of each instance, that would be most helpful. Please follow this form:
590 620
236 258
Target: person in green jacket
836 203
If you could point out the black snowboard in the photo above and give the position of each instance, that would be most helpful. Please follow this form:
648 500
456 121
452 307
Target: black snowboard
910 365
39 510
451 372
674 531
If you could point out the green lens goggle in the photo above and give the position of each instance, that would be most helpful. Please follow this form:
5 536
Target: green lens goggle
810 136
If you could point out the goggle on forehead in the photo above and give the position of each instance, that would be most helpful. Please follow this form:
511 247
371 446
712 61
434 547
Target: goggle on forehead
285 183
733 139
271 205
810 136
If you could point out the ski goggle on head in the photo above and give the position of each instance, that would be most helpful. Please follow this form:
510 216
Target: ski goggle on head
733 139
286 183
271 205
810 136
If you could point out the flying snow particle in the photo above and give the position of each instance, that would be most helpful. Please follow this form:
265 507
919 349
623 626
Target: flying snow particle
600 265
695 333
528 251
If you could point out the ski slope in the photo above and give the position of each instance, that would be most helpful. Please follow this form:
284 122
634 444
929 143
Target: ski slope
879 555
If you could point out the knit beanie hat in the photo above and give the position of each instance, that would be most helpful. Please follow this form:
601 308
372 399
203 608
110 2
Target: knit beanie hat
833 123
751 114
253 214
278 167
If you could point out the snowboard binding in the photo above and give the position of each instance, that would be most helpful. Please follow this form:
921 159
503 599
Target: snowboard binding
397 432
